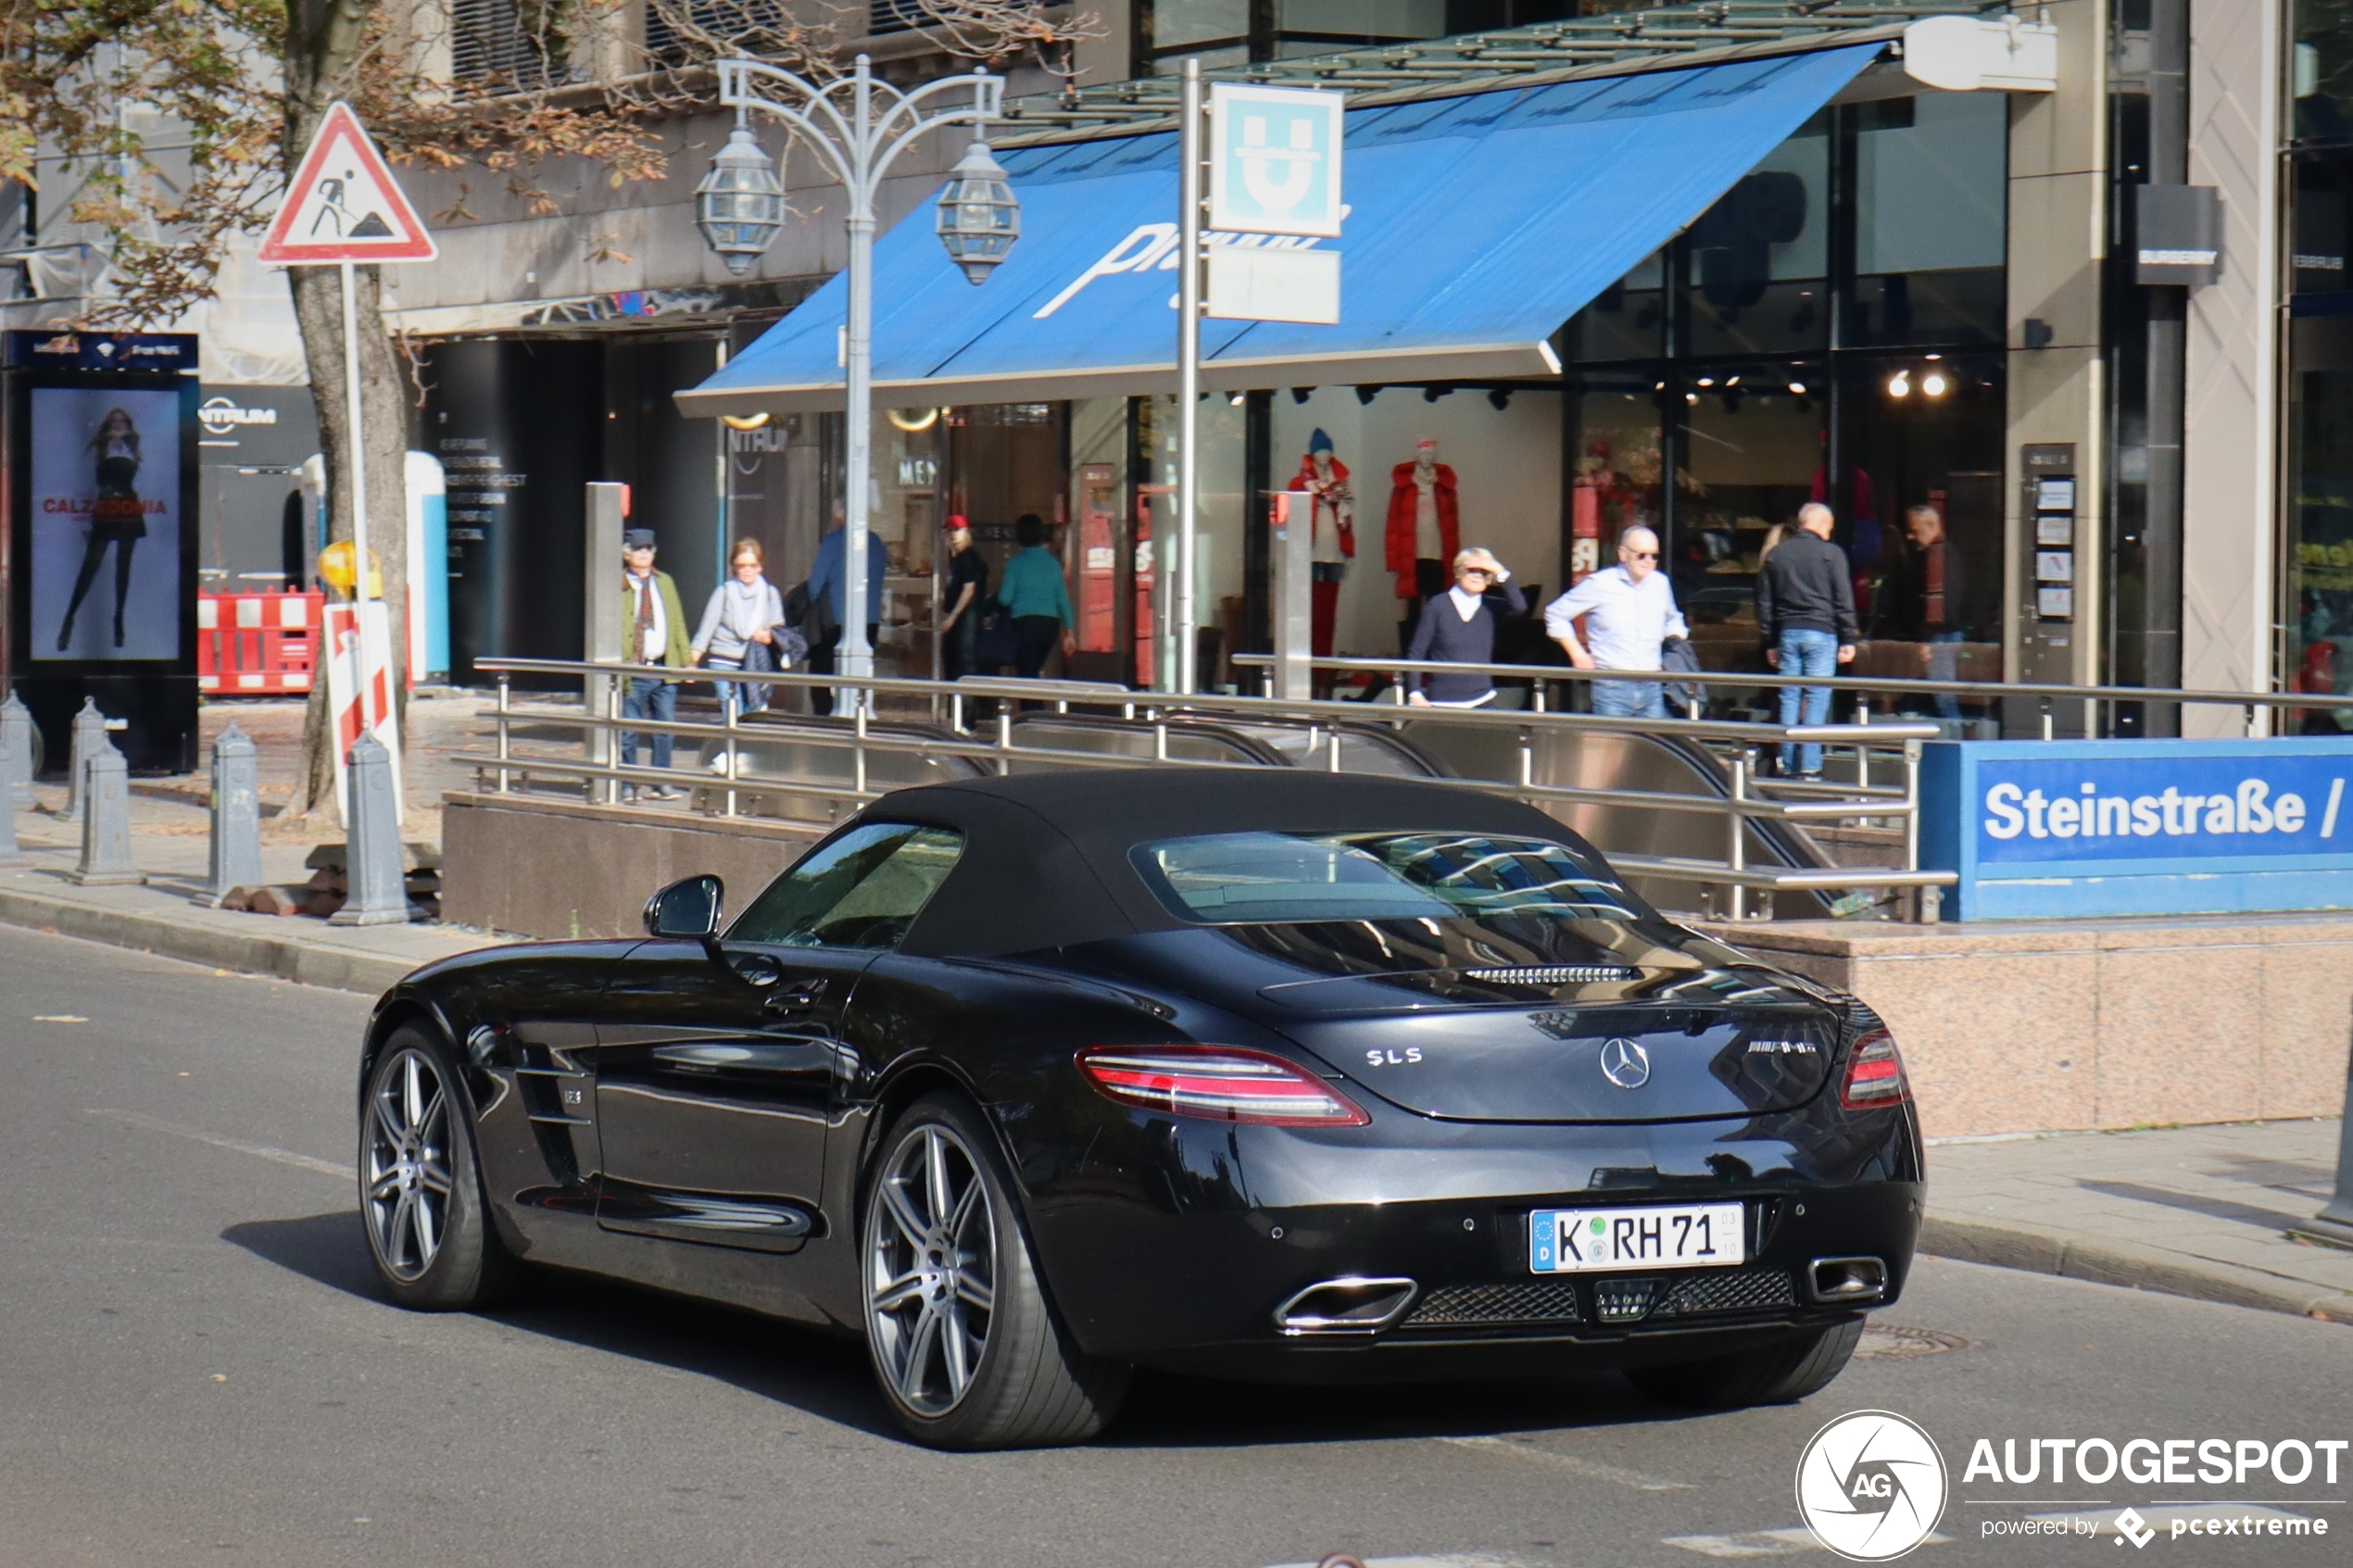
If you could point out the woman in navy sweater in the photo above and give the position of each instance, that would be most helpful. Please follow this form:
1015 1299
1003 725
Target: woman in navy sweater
1458 627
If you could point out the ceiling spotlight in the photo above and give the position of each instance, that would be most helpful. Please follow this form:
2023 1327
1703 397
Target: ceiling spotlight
1935 357
1692 398
1707 381
1798 388
1235 398
1366 393
1900 384
1299 393
1436 390
1934 384
1501 396
1732 380
1659 386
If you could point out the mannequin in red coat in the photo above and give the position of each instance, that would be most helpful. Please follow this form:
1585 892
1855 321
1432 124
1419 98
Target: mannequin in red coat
1333 510
1423 516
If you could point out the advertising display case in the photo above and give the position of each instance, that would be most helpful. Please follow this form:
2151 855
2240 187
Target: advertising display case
100 465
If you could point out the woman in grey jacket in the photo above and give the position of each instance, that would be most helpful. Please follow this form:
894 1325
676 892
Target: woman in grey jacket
743 614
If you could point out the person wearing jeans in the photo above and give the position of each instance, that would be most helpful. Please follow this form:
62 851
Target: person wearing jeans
1628 610
1806 613
653 632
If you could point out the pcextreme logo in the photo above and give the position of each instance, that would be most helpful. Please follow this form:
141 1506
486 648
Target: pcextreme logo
1872 1485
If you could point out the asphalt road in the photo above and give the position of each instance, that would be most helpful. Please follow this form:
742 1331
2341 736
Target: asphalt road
195 1368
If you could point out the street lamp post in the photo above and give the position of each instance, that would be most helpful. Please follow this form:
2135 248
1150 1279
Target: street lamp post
858 126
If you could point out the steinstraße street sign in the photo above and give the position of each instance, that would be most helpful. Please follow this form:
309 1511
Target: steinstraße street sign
1274 190
344 205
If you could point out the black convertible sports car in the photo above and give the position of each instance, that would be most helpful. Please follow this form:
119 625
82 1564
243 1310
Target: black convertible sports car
1033 1080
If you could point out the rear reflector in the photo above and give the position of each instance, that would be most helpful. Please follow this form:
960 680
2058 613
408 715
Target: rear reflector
1874 1074
1222 1082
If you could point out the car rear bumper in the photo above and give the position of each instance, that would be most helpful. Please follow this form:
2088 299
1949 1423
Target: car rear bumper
1245 1219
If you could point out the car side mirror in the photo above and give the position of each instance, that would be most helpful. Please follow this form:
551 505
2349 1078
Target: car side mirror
689 908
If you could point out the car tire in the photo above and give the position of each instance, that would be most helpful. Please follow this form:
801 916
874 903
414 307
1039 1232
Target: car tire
964 1343
1775 1374
421 1199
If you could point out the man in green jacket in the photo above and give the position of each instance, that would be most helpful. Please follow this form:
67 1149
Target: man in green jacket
1036 599
653 632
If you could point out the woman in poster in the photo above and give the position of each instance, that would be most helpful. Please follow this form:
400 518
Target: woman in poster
117 518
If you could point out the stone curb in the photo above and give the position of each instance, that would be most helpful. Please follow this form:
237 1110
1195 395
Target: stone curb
279 957
2124 1263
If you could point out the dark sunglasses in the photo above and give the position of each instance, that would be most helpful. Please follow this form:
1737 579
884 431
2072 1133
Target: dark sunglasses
1644 555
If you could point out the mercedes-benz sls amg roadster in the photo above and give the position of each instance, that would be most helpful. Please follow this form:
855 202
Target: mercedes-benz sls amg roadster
1032 1081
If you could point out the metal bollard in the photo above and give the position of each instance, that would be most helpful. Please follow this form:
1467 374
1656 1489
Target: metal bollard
16 752
236 818
106 819
378 888
11 854
88 734
2334 1223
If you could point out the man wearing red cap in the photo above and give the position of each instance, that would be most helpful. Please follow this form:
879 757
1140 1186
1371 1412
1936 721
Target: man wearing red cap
967 586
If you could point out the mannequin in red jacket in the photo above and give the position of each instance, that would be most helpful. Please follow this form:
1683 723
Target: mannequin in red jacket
1325 478
1424 516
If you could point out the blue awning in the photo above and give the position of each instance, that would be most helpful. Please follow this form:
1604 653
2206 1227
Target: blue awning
1478 226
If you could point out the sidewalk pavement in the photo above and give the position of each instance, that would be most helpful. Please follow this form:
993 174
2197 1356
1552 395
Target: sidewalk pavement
158 915
2197 1211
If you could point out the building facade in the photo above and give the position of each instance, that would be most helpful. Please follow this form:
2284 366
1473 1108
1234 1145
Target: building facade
2093 322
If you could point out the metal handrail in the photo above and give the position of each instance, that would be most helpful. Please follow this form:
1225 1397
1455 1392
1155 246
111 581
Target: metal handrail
1983 691
1741 806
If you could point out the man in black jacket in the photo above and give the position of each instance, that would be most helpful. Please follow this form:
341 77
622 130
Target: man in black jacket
1806 613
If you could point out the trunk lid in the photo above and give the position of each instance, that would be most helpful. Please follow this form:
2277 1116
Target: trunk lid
1648 1061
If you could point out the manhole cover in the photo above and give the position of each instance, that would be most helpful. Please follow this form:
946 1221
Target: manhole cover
1886 1341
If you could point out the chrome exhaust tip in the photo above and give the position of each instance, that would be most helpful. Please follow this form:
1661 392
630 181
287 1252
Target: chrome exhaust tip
1841 1281
1349 1305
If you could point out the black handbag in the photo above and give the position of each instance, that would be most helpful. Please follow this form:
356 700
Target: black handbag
993 644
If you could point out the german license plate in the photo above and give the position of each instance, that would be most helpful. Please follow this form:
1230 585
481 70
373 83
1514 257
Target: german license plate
1569 1241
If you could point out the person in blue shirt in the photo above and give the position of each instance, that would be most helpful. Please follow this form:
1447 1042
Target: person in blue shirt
1036 599
829 585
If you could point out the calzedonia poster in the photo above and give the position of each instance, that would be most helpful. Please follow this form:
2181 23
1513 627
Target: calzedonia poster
106 523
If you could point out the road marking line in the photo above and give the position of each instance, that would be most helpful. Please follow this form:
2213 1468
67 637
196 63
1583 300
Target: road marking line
266 1151
1766 1543
1592 1470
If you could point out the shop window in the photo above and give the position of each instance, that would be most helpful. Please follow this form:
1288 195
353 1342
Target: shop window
2322 193
1627 321
1930 236
1758 260
1750 459
2320 525
1924 431
2321 70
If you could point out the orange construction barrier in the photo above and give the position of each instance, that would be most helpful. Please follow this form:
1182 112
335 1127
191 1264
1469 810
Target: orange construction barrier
256 644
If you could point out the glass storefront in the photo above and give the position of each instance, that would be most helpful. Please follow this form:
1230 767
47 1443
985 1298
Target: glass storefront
1834 339
2317 554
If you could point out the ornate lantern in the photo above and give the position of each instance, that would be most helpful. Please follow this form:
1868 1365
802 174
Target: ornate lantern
979 219
740 203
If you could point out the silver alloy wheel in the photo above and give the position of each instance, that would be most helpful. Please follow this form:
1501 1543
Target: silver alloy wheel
407 1186
931 1269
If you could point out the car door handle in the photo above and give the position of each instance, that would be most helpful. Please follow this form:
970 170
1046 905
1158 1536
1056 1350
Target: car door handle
756 971
800 994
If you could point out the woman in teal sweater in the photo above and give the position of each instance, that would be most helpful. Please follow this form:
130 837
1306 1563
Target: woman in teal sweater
1034 598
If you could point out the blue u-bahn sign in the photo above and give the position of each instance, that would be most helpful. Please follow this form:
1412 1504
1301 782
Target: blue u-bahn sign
2159 827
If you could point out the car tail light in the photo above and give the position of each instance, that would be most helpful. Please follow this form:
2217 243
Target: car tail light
1222 1082
1874 1073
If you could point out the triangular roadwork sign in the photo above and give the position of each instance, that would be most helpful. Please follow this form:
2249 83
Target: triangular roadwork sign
343 205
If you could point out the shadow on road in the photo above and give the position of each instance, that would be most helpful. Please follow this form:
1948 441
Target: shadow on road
828 1375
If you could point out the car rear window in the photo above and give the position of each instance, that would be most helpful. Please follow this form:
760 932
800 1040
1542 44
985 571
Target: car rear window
1272 878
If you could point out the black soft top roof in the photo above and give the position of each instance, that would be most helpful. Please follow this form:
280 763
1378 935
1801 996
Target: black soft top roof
1046 855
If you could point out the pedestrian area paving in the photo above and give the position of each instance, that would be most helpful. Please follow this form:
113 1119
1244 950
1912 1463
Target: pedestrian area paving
2197 1211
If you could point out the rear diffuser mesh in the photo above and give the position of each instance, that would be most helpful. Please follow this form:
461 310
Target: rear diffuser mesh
1532 1301
1615 1300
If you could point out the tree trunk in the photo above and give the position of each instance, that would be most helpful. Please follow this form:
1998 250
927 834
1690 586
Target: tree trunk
323 40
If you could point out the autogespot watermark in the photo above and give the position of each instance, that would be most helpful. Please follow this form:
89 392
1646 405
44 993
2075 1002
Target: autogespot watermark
1872 1485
